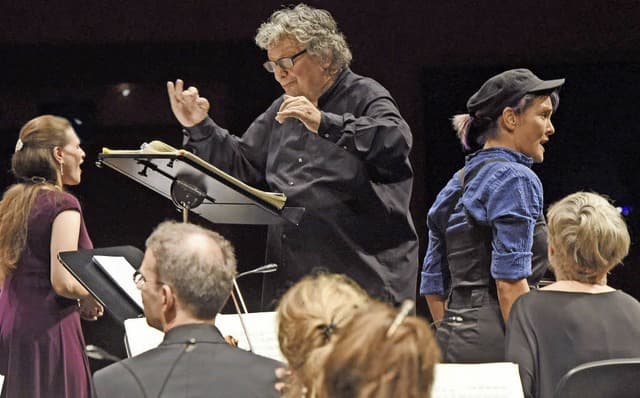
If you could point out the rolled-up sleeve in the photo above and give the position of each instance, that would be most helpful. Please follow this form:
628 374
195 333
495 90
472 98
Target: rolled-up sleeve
435 269
435 278
512 209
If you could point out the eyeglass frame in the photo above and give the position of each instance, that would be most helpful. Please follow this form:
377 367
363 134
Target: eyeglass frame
139 280
270 66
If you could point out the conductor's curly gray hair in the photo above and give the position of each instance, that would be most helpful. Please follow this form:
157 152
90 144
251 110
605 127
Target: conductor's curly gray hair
314 28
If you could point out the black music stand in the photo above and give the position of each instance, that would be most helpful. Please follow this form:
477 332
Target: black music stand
101 286
195 185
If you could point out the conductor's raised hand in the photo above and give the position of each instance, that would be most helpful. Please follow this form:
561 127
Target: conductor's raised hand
187 106
302 109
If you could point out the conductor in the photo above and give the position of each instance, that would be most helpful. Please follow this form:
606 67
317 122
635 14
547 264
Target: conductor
333 143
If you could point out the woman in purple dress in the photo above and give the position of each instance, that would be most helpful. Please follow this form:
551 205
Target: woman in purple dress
41 341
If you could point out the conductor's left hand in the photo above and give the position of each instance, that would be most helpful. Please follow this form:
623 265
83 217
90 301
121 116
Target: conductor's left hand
302 109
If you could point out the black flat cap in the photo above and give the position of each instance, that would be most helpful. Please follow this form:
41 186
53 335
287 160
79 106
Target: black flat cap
505 90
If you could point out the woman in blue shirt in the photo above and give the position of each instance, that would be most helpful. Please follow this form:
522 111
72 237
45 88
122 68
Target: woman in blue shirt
487 236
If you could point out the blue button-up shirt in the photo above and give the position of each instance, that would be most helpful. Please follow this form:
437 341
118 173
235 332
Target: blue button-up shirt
506 196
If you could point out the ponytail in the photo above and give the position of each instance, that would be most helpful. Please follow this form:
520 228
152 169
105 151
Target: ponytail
471 130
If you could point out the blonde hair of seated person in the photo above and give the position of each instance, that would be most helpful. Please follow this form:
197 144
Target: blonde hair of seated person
310 316
366 362
587 237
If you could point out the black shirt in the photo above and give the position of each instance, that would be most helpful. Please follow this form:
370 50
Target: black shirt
551 332
353 177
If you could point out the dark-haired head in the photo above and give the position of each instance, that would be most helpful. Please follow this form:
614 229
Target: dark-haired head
516 89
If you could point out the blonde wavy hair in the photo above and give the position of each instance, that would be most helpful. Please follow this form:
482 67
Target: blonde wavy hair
309 317
34 165
314 28
367 363
588 235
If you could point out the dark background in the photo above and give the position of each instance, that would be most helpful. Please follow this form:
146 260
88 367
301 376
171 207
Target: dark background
74 58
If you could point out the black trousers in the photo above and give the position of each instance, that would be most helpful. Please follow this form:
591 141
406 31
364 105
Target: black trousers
472 330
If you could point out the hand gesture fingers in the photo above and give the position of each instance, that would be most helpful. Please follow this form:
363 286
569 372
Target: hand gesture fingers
283 375
203 104
300 100
175 92
187 105
302 109
171 93
295 111
190 95
288 99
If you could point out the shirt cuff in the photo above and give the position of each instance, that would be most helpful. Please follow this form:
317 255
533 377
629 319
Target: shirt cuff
330 126
511 266
199 131
431 284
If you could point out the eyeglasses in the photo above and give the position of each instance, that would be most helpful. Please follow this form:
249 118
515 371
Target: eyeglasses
284 63
140 280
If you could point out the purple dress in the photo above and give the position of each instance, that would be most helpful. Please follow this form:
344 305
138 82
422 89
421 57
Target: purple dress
41 341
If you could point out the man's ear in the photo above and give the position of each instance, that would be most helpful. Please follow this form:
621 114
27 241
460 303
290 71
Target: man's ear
509 119
168 299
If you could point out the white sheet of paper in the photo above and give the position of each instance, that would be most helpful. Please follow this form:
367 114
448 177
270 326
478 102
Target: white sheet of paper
490 380
120 272
140 337
261 327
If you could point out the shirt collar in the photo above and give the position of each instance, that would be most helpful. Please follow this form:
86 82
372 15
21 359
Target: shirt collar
500 152
329 92
203 332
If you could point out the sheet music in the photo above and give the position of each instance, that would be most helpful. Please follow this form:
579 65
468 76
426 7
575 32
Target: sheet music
140 337
120 272
261 327
276 199
490 380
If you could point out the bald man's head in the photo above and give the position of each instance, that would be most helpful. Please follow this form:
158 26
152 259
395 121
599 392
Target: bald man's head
198 263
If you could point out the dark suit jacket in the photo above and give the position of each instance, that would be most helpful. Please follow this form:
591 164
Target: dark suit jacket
192 361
